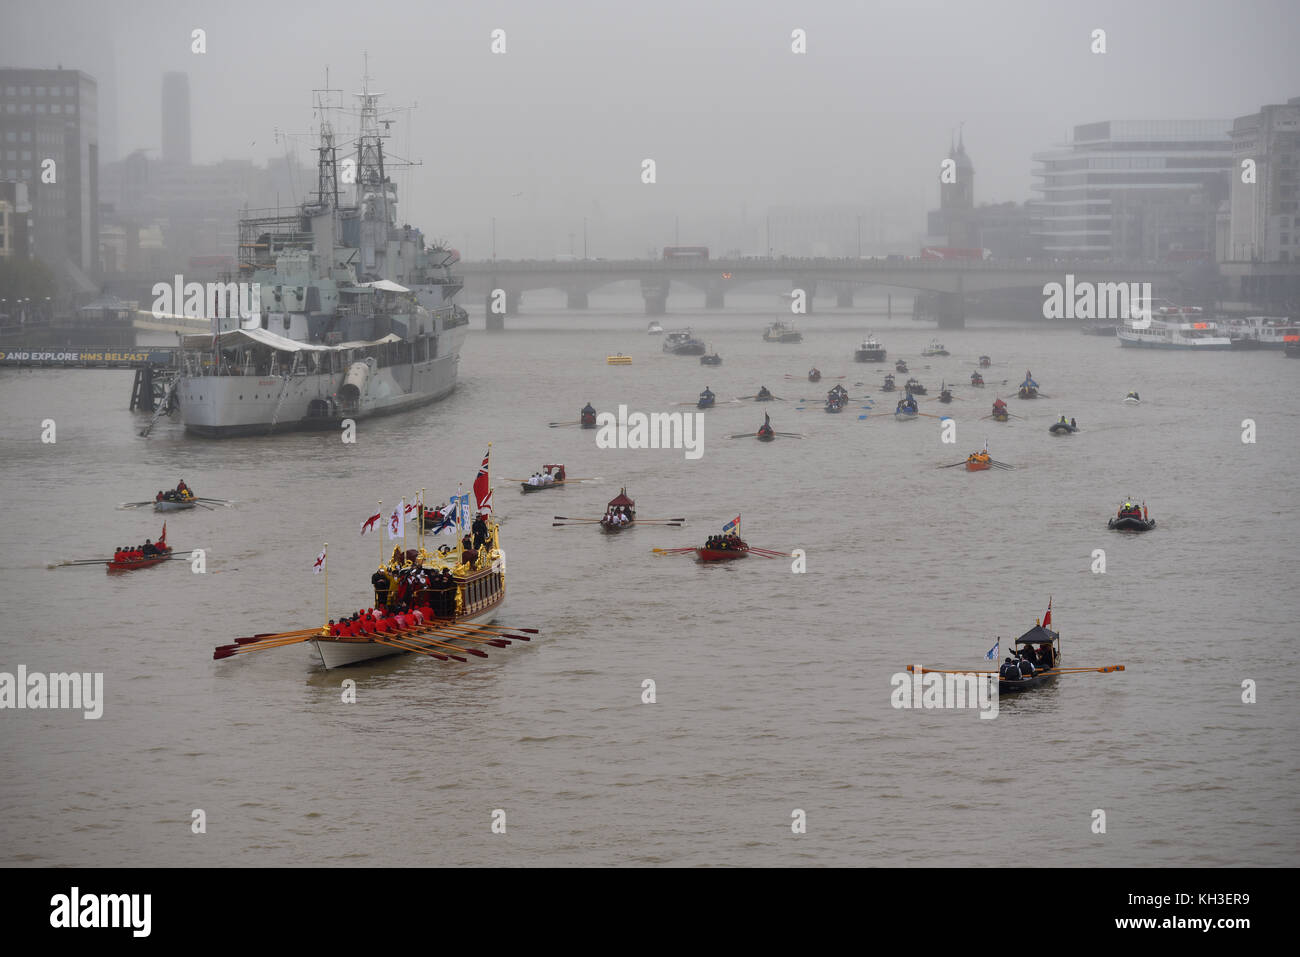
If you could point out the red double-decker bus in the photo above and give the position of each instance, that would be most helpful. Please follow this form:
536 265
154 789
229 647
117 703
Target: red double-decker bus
686 252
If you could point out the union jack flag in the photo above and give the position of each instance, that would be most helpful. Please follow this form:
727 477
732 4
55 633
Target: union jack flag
483 485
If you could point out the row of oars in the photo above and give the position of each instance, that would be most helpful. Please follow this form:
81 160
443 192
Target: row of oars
207 503
993 462
760 552
108 561
750 435
1053 672
562 520
567 481
432 640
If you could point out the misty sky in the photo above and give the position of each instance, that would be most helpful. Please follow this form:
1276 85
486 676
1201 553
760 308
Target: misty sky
556 129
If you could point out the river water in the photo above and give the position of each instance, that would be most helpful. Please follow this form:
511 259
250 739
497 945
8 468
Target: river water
773 688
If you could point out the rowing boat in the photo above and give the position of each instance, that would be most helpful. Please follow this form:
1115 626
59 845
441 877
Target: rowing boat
728 554
619 506
1062 428
164 552
978 462
556 472
1049 645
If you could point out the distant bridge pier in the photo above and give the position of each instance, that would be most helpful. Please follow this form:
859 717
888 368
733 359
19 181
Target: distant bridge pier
655 293
715 295
577 298
809 287
844 295
501 303
950 308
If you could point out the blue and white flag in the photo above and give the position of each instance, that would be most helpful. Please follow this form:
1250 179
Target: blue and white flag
462 511
451 517
993 652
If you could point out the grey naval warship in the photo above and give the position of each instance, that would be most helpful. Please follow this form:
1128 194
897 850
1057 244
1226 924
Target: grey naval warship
355 314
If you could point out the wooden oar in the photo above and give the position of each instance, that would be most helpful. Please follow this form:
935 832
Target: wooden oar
405 646
673 551
765 398
644 520
215 501
579 518
954 464
227 651
109 561
1000 465
133 504
560 425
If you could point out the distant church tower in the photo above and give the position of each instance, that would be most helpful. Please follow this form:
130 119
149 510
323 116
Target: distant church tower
957 200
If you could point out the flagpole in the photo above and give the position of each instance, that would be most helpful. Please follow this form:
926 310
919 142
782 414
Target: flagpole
420 528
404 524
381 537
326 627
460 538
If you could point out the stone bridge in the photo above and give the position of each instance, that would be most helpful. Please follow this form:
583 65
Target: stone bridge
503 282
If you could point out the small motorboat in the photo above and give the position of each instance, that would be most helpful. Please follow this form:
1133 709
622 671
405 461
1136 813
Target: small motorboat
713 360
814 375
935 348
870 351
683 343
1132 399
900 366
1063 428
985 362
1132 518
889 384
780 331
914 386
977 380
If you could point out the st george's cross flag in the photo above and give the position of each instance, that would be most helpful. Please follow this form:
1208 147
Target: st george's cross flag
369 524
396 523
483 485
320 562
